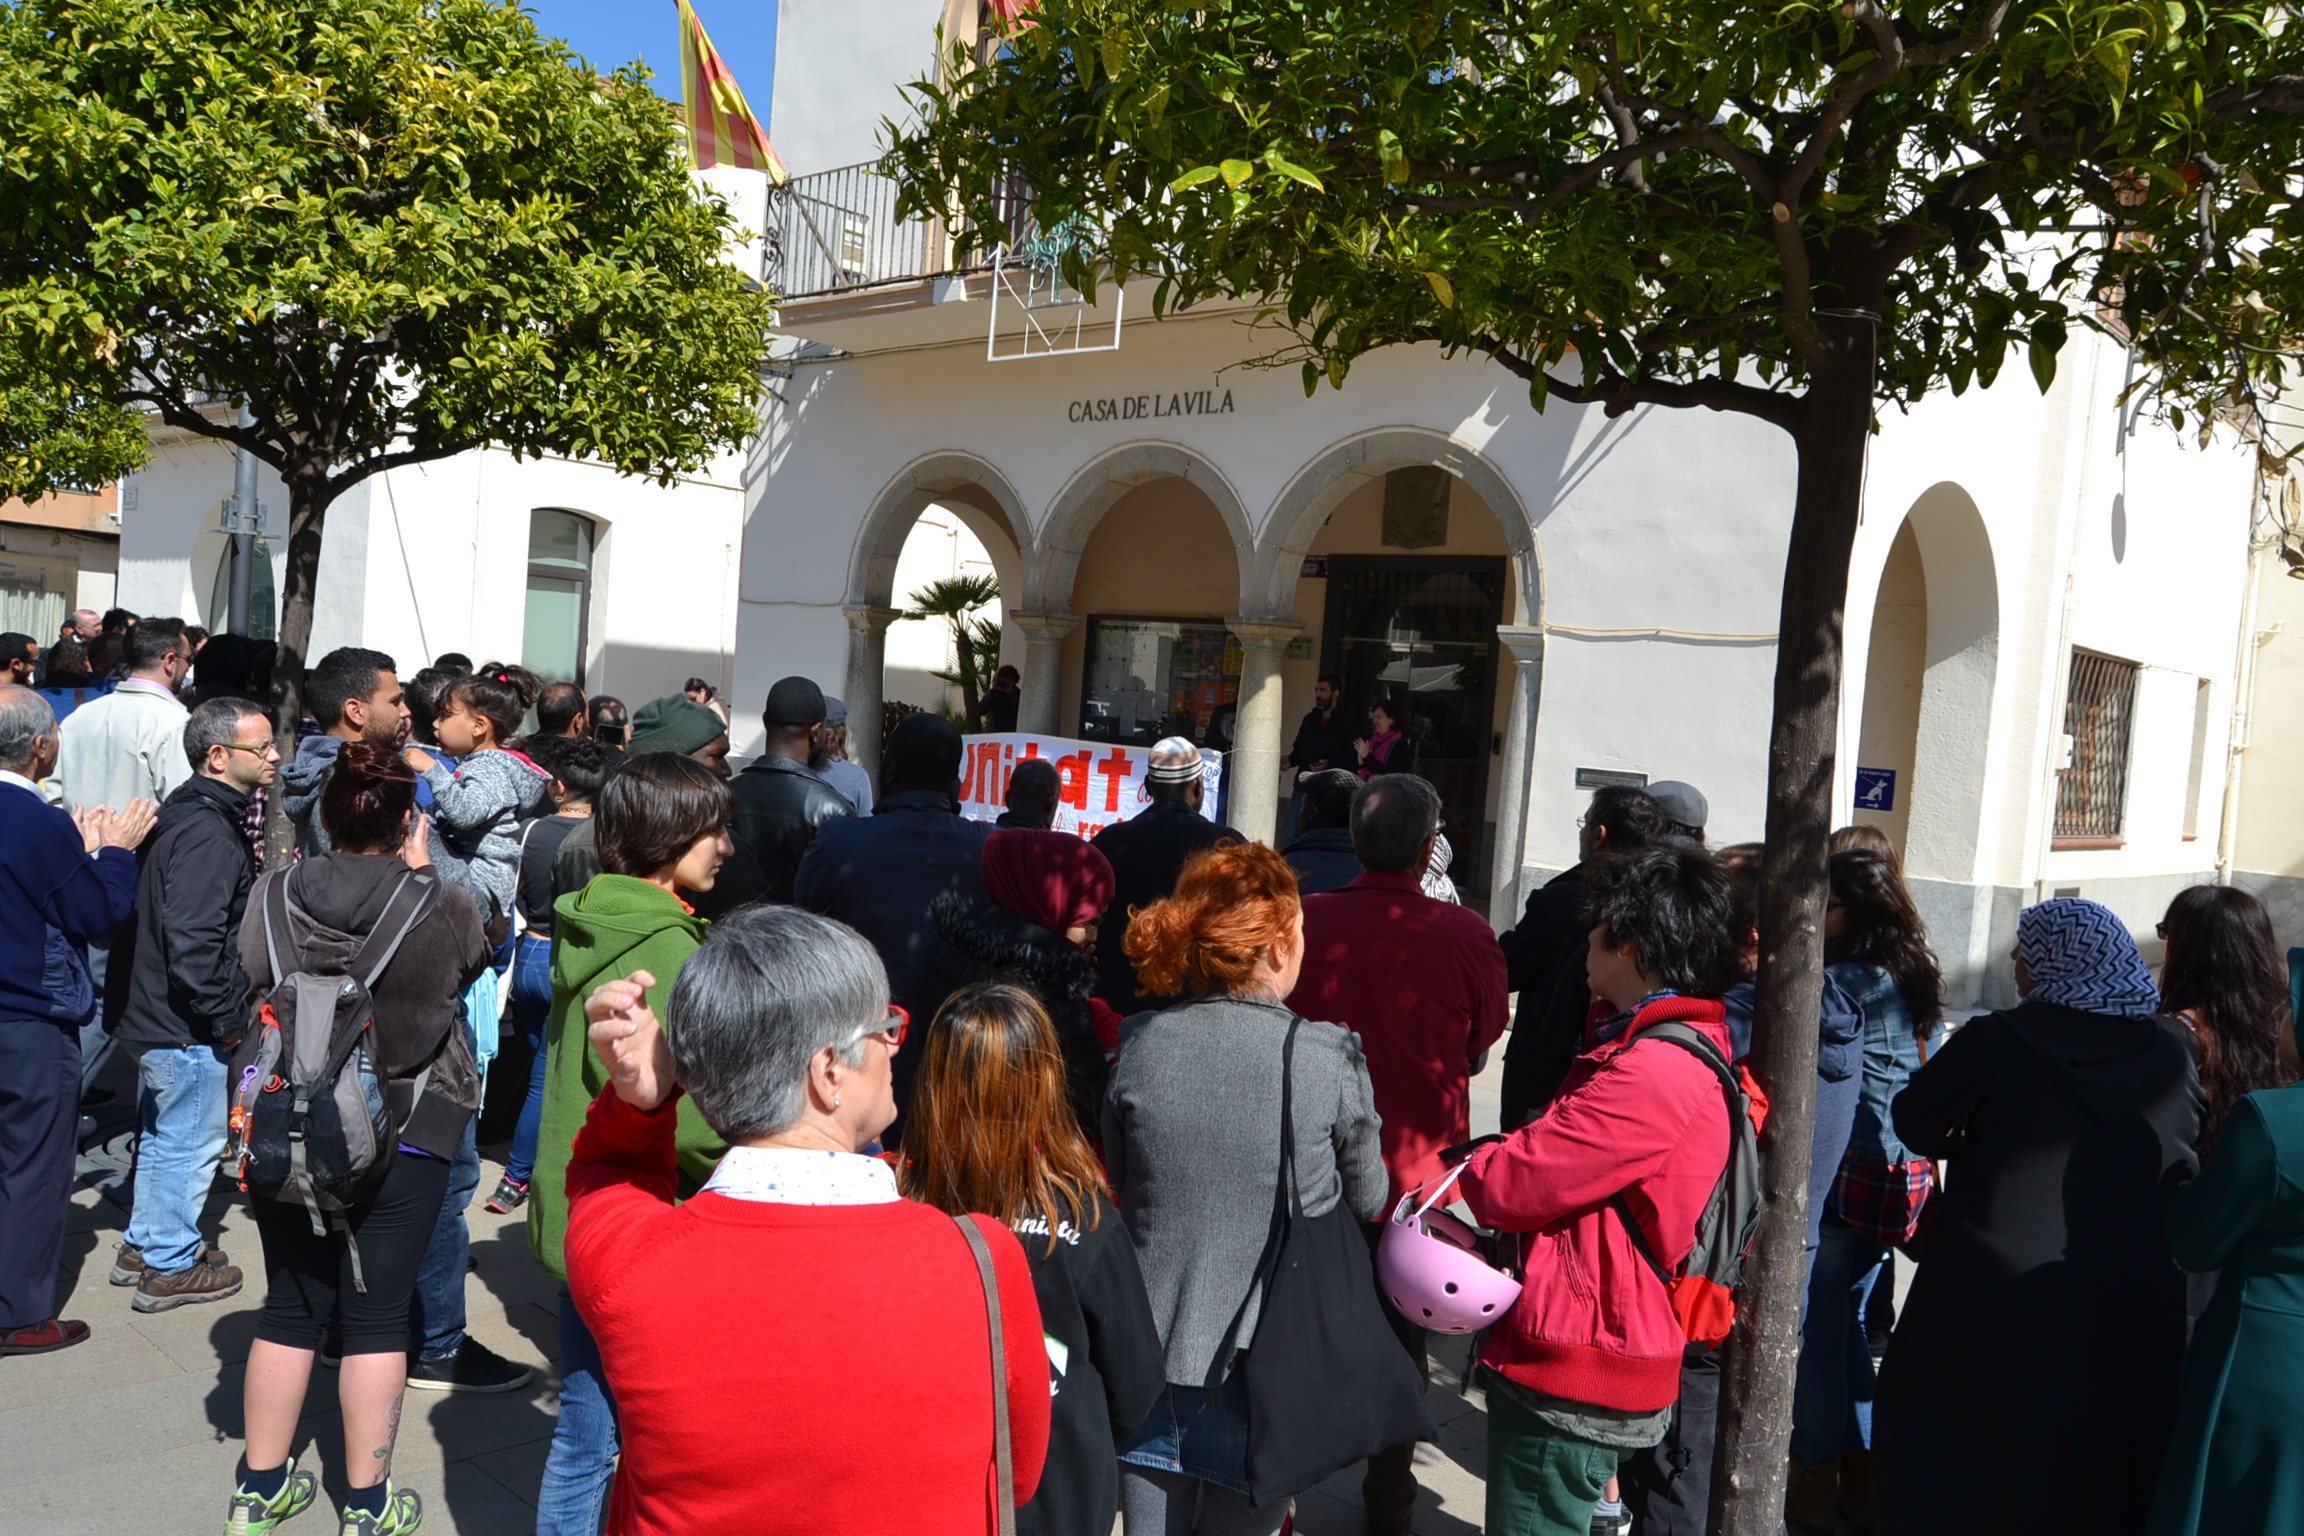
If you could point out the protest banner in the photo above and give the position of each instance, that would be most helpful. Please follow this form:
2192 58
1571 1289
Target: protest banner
1103 781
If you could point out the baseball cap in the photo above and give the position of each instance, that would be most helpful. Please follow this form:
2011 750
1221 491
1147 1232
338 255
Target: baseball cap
1683 804
835 712
795 701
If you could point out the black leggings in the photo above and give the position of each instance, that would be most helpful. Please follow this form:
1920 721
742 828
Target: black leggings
308 1278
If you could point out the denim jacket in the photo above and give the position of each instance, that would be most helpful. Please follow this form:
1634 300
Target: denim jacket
1892 1054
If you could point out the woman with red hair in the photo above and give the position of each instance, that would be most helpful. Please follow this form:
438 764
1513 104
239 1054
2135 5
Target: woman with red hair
1047 892
1189 1137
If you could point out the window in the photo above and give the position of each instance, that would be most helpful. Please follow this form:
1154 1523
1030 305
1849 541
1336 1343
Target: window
555 636
2099 717
1149 678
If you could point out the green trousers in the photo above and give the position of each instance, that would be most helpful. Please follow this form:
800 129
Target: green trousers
1542 1481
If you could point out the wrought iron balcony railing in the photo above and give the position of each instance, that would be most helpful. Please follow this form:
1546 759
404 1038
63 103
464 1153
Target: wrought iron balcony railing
839 230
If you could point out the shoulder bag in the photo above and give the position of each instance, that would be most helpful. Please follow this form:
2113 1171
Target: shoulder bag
1003 1456
1328 1383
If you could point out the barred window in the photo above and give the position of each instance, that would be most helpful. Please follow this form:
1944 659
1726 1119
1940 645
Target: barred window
2099 718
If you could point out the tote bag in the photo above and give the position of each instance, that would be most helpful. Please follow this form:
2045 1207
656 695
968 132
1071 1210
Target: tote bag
1328 1383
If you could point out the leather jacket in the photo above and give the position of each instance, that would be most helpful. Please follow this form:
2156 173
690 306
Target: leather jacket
780 807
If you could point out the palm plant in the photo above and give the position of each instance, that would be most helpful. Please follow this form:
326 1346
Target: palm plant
975 641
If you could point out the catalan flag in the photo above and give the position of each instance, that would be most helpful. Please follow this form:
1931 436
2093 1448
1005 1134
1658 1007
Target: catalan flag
721 127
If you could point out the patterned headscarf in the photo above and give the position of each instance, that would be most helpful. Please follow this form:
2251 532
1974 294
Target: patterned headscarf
2081 956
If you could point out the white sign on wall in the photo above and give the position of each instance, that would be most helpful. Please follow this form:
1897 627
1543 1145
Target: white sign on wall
1102 781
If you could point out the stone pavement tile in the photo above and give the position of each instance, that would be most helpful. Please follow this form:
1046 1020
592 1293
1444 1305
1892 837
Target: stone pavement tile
114 1356
473 1501
1321 1513
142 1418
180 1489
520 1468
462 1425
200 1336
527 1332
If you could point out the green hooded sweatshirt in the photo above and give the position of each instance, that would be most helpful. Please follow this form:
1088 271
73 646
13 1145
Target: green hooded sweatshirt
614 926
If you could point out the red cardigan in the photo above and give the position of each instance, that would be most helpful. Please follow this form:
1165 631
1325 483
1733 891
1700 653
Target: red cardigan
1593 1323
818 1370
1422 983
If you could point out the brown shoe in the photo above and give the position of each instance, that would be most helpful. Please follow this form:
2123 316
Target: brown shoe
42 1338
1812 1495
128 1264
204 1281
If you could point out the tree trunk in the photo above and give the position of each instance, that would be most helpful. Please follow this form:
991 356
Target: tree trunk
1764 1351
308 499
964 665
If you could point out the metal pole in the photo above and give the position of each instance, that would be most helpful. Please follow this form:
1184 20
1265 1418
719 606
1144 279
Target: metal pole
243 537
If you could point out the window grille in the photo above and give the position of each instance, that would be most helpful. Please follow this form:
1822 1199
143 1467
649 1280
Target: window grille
2099 717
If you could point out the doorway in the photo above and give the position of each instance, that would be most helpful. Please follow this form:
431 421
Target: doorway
1420 632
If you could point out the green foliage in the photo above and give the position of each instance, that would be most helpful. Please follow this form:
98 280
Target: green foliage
398 229
1673 193
975 641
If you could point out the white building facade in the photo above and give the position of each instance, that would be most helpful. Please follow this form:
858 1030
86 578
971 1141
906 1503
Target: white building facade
2043 623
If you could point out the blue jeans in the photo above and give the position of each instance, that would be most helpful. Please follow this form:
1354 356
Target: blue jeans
1832 1394
582 1463
180 1119
531 1011
436 1311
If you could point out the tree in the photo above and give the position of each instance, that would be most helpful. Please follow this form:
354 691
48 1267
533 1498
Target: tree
396 231
975 641
1799 212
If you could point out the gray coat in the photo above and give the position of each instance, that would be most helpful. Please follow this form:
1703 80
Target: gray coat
1192 1138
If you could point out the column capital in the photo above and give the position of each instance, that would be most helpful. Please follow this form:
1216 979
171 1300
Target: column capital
1524 641
1043 623
1263 634
864 619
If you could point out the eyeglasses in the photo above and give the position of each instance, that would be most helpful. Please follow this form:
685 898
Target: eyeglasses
891 1029
269 749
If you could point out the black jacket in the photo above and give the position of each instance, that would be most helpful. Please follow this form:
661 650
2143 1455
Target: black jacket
1147 852
1327 742
1544 962
880 874
1323 860
1095 1314
991 943
780 807
184 985
2046 1323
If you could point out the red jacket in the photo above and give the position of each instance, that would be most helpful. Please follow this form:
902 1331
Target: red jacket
818 1370
1593 1324
1422 983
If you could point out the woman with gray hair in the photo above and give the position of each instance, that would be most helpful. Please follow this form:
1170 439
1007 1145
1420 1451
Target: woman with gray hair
741 1411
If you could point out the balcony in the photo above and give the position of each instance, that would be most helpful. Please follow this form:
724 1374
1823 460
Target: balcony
837 232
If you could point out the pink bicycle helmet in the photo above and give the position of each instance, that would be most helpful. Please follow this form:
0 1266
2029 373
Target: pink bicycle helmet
1430 1270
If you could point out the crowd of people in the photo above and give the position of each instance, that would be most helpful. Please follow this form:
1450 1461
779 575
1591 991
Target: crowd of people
1145 1138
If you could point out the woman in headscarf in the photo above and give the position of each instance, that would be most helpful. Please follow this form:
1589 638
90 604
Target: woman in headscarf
1048 891
2031 1382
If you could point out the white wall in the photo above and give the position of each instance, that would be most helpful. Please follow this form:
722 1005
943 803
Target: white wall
940 546
839 71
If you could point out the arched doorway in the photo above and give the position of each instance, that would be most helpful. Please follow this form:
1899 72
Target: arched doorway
1410 565
943 515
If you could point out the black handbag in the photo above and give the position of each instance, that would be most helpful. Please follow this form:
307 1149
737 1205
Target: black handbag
1328 1383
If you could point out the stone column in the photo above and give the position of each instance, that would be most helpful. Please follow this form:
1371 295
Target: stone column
1044 634
1524 647
1256 746
867 656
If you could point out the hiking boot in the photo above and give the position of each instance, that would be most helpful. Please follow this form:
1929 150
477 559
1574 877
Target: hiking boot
252 1514
42 1338
1812 1495
207 1280
128 1264
403 1512
470 1367
511 1194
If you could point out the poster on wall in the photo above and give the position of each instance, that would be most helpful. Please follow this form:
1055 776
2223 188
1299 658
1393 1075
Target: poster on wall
1103 781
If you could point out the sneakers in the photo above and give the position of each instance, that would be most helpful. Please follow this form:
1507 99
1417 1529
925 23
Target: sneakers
471 1367
128 1264
42 1338
208 1280
253 1515
403 1512
511 1194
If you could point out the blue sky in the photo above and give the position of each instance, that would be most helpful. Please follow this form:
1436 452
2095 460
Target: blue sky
612 33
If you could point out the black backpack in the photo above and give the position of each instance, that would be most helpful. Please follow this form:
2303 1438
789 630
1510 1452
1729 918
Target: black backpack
310 1122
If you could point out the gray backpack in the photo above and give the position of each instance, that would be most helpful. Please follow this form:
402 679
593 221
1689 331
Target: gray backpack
310 1120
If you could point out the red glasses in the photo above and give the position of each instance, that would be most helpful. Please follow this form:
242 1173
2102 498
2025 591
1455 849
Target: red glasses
898 1025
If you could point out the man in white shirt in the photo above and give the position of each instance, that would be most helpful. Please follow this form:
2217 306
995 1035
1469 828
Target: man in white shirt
129 745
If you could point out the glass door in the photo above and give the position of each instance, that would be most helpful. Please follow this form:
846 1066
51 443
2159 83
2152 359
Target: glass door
1420 633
